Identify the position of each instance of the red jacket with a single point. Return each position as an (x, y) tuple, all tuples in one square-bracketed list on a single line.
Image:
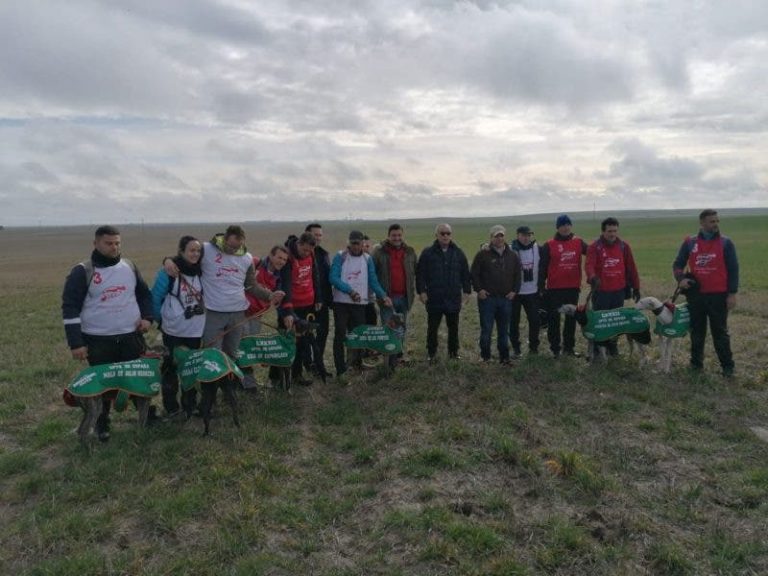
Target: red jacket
[(613, 264)]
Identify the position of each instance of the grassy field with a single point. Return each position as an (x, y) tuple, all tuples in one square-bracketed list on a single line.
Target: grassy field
[(549, 467)]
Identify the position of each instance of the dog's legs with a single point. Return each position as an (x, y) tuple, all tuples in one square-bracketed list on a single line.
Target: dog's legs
[(142, 406), (208, 390), (228, 388), (91, 411)]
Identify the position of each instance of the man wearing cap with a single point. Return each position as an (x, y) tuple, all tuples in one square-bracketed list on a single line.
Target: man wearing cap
[(612, 273), (528, 297), (353, 277), (560, 282), (395, 263), (443, 285), (496, 279)]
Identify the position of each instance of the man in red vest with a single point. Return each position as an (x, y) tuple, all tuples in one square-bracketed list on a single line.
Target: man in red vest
[(306, 296), (712, 282), (612, 273), (560, 273)]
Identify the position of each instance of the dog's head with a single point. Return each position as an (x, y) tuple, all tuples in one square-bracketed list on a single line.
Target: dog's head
[(664, 311), (304, 327), (396, 321), (579, 312)]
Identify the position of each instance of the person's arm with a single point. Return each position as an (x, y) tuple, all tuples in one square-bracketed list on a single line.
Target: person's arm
[(335, 276), (477, 276), (464, 273), (252, 286), (681, 261), (72, 299), (731, 266), (543, 266), (159, 292), (144, 300), (591, 267), (517, 278), (633, 276), (373, 282)]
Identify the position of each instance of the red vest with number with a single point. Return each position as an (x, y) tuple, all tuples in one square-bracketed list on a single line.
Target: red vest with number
[(564, 269), (302, 285), (612, 267), (707, 264)]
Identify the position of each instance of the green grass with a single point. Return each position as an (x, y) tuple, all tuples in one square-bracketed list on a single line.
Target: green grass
[(455, 468)]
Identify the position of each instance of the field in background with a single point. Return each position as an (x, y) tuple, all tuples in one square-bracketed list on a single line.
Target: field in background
[(545, 468)]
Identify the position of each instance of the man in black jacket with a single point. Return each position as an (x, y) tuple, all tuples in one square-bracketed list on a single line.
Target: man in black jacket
[(107, 307), (443, 285), (322, 316)]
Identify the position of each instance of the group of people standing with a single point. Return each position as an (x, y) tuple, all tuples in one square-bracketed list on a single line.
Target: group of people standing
[(211, 293)]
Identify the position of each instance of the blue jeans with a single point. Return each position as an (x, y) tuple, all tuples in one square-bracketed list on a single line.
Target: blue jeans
[(496, 309)]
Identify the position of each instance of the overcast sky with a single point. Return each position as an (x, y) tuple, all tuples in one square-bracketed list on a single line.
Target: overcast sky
[(202, 110)]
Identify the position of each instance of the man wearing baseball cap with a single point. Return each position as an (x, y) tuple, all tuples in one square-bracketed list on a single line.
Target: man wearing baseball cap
[(528, 297), (353, 277), (560, 272), (496, 279)]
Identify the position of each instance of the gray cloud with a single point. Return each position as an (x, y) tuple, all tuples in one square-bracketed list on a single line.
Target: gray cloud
[(392, 108)]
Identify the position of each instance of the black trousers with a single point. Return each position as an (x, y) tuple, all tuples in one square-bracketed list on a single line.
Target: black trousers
[(170, 380), (108, 349), (323, 319), (712, 307), (303, 345), (346, 317), (529, 303), (434, 317), (555, 299)]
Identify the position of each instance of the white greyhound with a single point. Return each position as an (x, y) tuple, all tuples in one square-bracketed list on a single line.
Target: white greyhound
[(665, 315)]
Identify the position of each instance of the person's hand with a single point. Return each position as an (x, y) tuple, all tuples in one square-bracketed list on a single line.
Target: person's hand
[(288, 322), (595, 283), (387, 302), (80, 353), (636, 294), (730, 301), (170, 268), (142, 326), (355, 296), (318, 306), (511, 296), (277, 297), (423, 297), (685, 283), (482, 294), (464, 298)]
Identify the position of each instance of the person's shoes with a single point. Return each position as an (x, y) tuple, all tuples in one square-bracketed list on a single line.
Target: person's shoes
[(485, 360), (572, 353), (533, 352), (303, 382), (515, 353), (249, 382), (507, 362), (454, 356), (556, 353), (173, 415), (729, 373)]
